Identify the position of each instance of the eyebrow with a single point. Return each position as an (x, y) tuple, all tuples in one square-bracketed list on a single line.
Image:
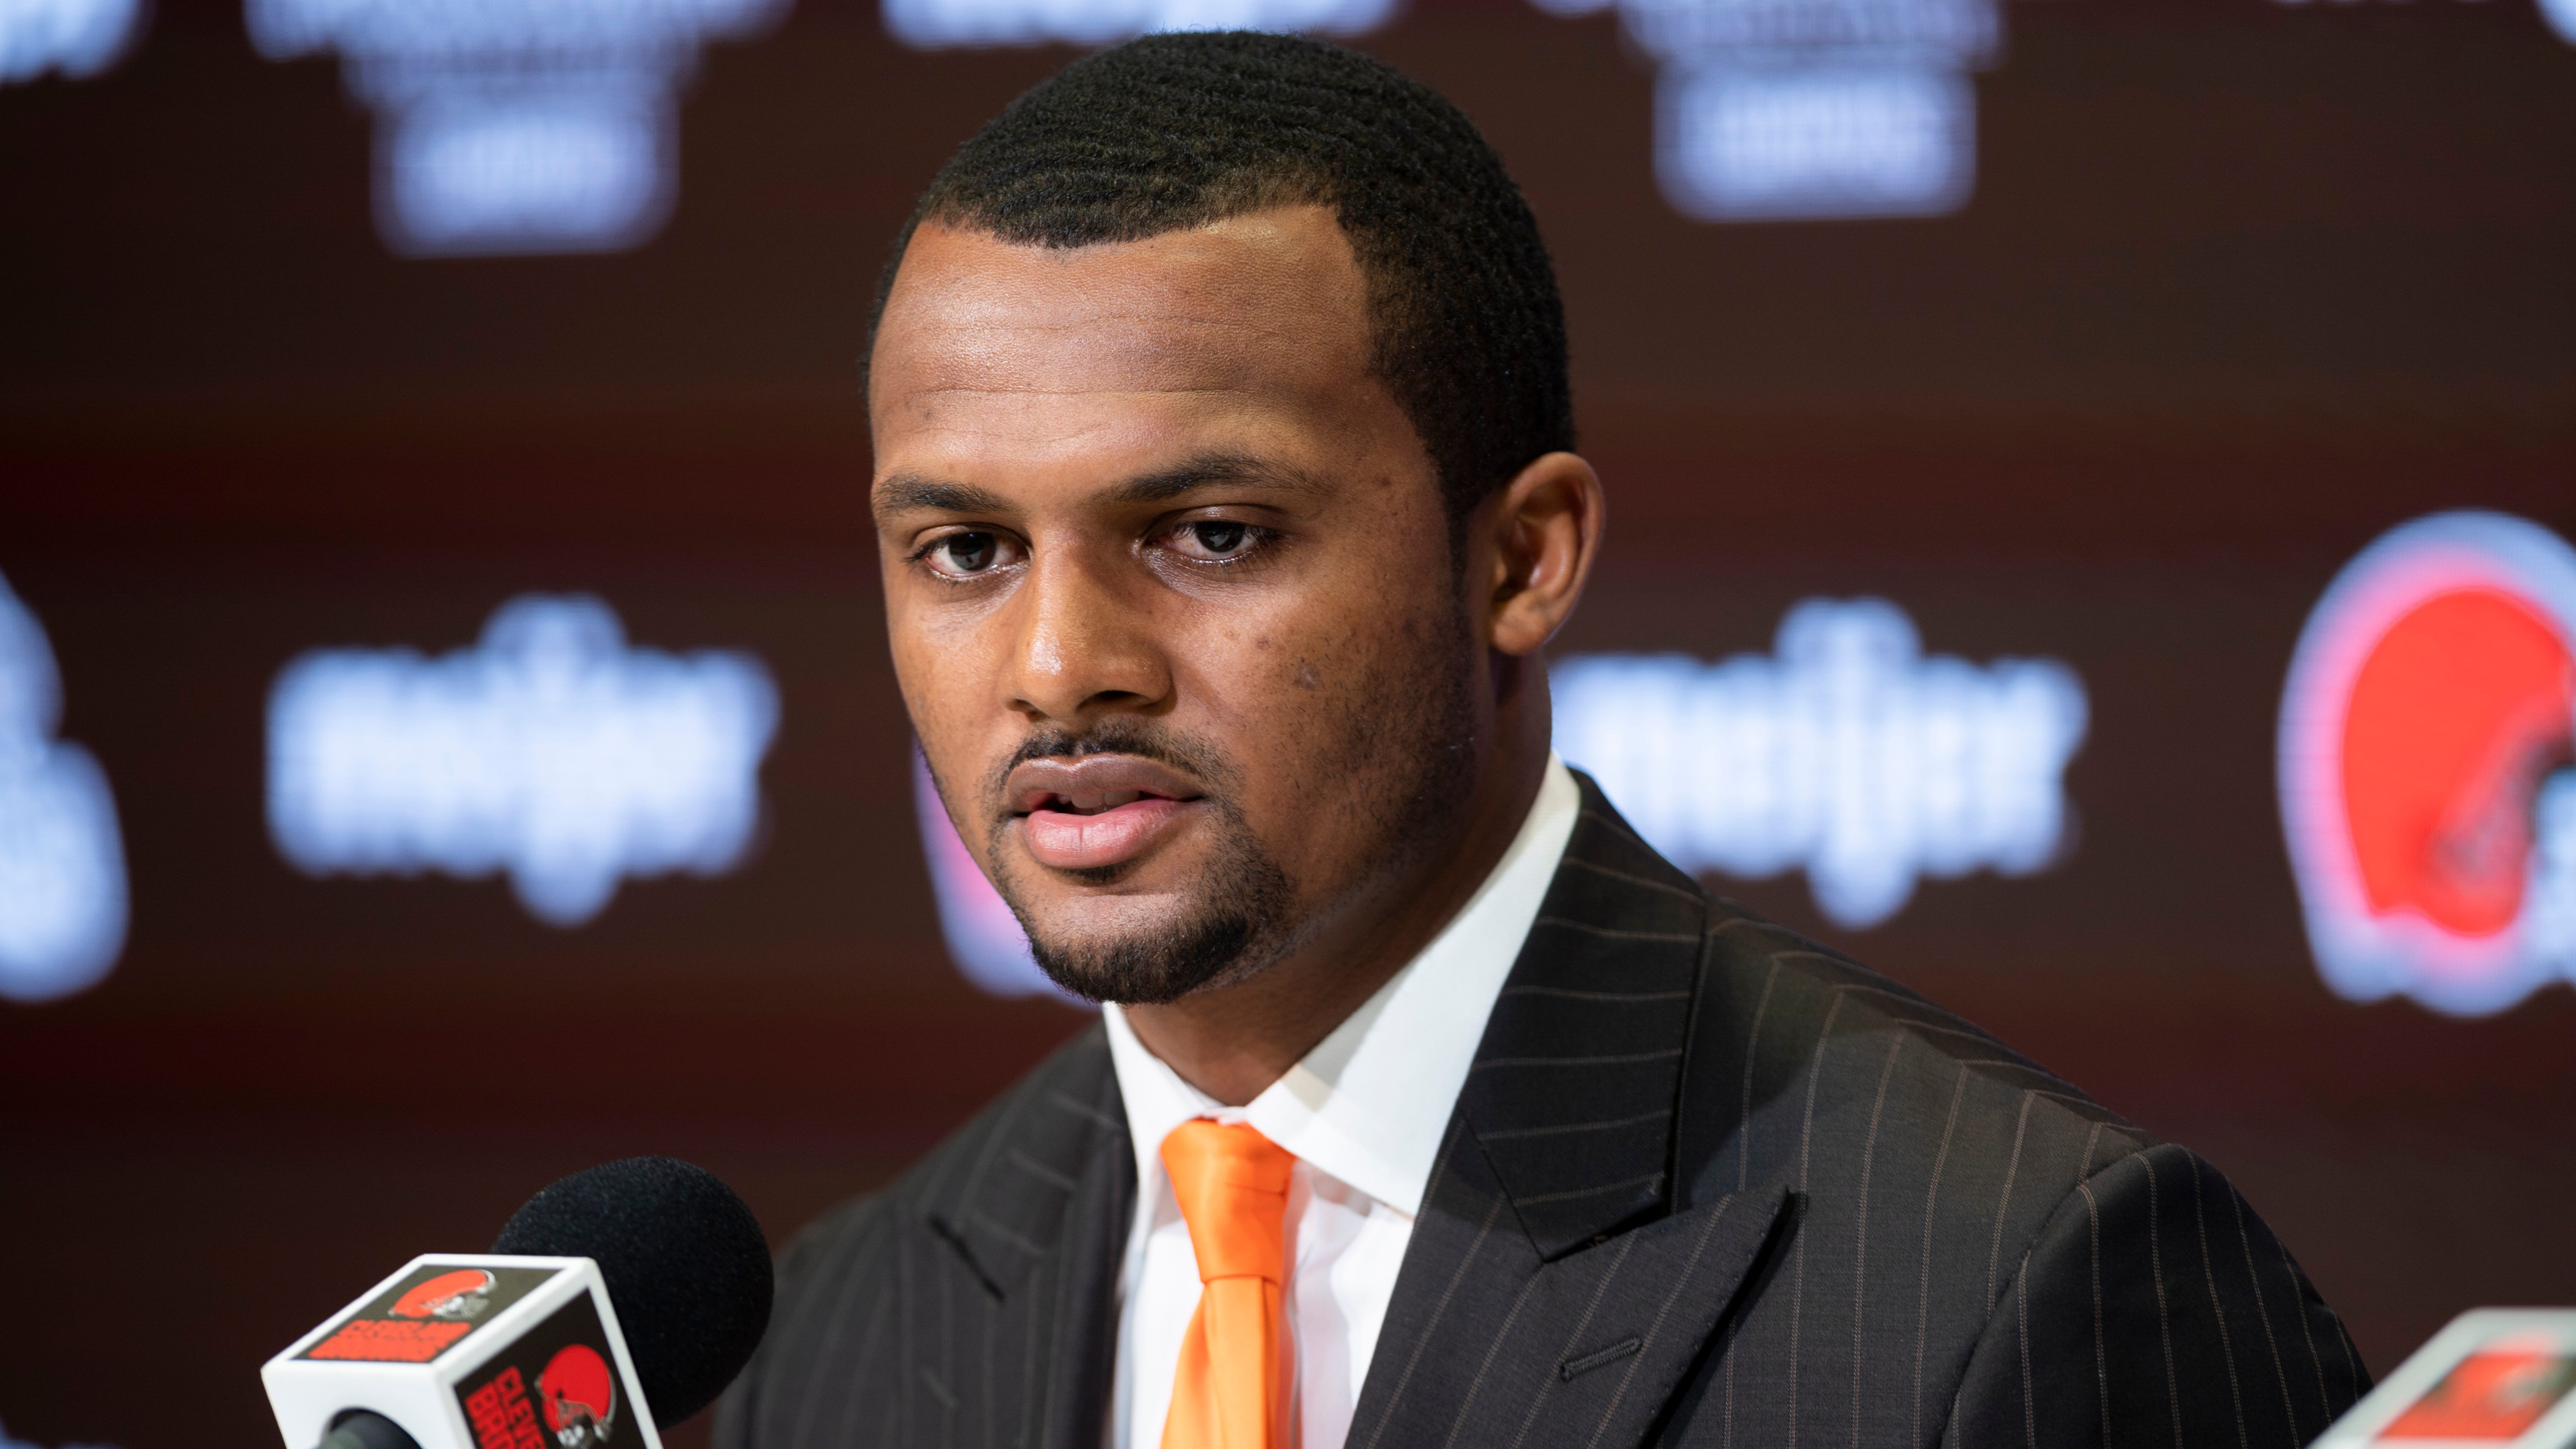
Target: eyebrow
[(911, 493), (1206, 469), (902, 493)]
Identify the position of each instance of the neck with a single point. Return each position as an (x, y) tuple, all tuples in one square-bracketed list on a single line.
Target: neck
[(1233, 1041)]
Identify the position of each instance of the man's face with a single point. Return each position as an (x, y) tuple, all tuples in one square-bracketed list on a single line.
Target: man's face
[(1170, 594)]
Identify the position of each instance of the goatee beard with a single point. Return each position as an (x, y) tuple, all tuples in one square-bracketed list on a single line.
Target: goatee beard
[(1242, 927), (1244, 917)]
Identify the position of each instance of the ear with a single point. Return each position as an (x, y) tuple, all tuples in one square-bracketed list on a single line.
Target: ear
[(1542, 531)]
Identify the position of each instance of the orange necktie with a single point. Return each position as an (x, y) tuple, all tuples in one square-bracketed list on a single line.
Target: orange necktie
[(1232, 1391)]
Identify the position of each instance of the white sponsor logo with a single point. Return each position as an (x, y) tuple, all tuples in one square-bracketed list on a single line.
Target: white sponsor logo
[(514, 125), (1771, 110), (935, 24), (62, 868), (1846, 753), (550, 751), (76, 38)]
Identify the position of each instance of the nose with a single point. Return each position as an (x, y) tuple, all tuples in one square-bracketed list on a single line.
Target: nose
[(1086, 645)]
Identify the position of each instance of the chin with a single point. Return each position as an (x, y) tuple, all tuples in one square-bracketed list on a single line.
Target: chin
[(1148, 949), (1071, 917)]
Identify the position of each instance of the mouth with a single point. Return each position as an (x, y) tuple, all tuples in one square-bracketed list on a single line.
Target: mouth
[(1099, 811)]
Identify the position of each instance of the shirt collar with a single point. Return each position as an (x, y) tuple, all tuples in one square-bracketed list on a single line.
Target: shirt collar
[(1370, 1104)]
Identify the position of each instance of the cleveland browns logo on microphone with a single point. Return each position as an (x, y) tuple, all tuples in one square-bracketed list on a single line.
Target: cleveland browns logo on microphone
[(464, 1293), (556, 1387), (580, 1396), (427, 1312), (2427, 736)]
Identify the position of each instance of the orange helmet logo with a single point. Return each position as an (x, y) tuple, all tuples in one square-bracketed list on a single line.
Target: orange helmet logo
[(2426, 735), (461, 1294), (579, 1393)]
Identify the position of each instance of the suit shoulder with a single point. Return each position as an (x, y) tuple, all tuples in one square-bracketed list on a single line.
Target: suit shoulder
[(1805, 1055)]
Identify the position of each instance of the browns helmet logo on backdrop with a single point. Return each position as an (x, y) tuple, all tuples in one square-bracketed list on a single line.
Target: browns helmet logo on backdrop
[(2428, 765)]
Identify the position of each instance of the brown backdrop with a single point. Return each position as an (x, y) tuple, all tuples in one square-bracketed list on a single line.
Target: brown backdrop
[(2242, 285)]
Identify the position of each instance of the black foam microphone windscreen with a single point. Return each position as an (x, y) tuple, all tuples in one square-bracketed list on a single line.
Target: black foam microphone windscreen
[(687, 1269)]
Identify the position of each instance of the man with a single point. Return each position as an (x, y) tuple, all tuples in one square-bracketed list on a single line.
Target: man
[(1223, 484)]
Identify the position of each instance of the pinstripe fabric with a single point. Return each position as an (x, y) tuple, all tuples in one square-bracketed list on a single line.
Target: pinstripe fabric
[(1707, 1184), (968, 1304)]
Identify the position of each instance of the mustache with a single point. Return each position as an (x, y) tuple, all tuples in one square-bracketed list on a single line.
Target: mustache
[(1117, 736)]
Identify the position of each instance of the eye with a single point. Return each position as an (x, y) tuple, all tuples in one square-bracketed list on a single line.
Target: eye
[(1215, 540), (969, 552)]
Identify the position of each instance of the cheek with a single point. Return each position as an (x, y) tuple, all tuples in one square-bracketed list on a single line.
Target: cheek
[(946, 677), (1272, 668), (1323, 702), (1343, 645)]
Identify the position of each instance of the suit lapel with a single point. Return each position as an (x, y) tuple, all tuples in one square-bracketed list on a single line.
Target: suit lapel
[(1037, 1222), (1487, 1344), (1555, 1291)]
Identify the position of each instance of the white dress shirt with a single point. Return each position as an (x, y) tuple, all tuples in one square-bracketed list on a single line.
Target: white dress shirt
[(1364, 1114)]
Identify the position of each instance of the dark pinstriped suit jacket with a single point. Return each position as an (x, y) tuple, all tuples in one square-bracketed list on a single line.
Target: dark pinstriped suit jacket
[(1708, 1184)]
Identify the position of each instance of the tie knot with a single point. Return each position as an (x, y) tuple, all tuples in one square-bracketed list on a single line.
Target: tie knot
[(1232, 1185)]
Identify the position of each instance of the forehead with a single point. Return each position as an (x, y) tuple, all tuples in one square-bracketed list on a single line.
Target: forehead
[(1264, 313)]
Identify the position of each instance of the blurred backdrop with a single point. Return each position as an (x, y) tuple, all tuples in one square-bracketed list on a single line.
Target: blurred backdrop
[(2091, 339)]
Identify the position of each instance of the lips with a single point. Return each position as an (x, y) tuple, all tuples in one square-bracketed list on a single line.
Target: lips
[(1098, 811)]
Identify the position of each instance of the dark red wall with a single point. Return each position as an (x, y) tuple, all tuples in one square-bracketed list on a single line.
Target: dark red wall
[(2242, 285)]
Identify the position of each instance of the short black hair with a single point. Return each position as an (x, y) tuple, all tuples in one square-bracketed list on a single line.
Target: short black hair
[(1175, 131)]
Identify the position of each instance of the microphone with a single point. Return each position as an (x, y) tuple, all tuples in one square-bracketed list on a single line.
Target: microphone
[(616, 1301)]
